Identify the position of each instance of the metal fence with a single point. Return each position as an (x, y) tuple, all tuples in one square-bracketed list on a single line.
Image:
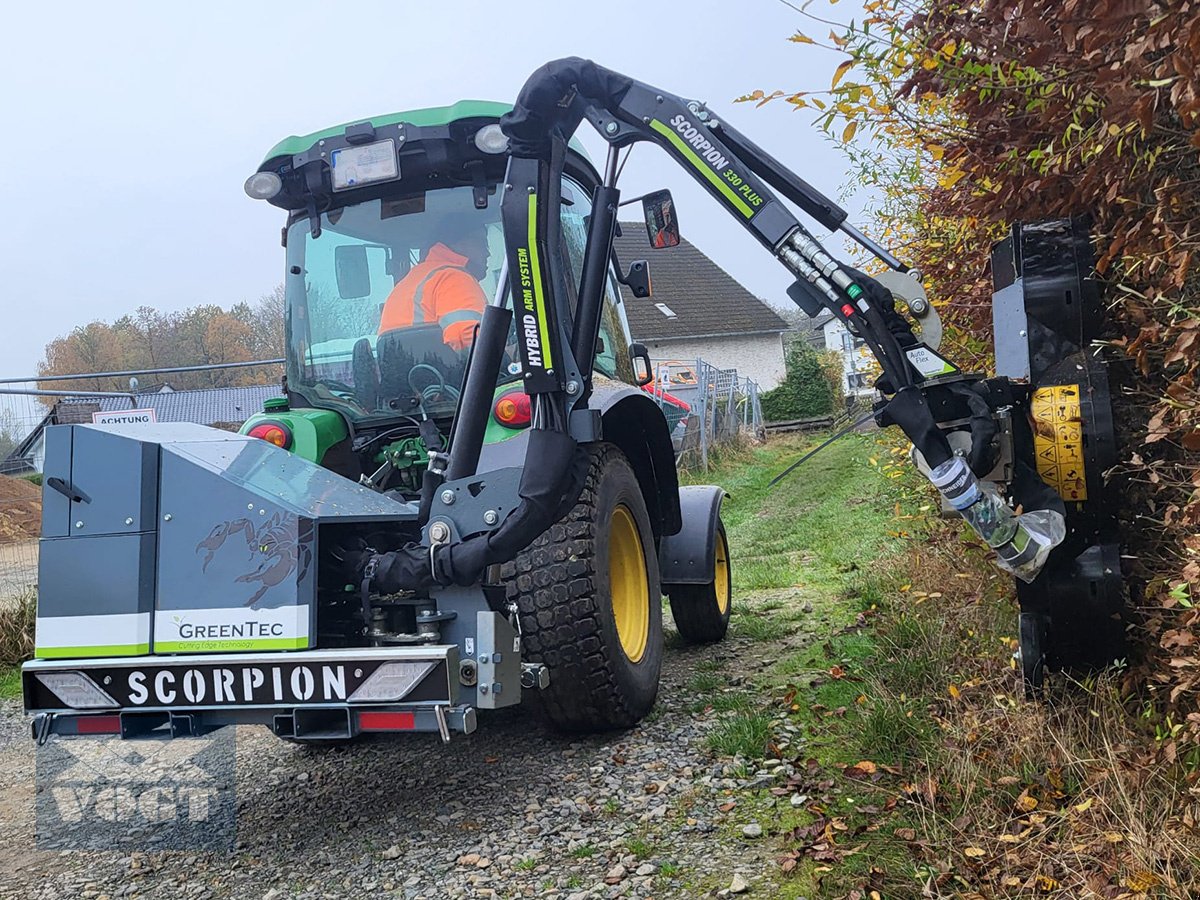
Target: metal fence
[(216, 395), (706, 407)]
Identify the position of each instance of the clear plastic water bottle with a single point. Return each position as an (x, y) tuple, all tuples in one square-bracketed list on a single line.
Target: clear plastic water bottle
[(1022, 542)]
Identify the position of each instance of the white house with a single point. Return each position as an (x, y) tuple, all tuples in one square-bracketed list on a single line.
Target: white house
[(699, 311), (859, 369)]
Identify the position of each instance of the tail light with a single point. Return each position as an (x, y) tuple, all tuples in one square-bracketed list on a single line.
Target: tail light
[(512, 409), (273, 433)]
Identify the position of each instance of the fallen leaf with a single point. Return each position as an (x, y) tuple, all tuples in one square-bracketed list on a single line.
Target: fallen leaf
[(974, 853), (954, 691), (906, 834), (1084, 806), (1026, 802), (1142, 881), (837, 672), (1045, 884)]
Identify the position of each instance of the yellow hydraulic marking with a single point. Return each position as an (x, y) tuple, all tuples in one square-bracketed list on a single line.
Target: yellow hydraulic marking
[(539, 300), (1058, 439)]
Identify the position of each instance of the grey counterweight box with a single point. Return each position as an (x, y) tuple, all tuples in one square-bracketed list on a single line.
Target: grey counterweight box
[(172, 538)]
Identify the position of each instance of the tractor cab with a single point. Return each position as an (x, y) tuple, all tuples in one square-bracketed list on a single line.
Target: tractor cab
[(394, 245)]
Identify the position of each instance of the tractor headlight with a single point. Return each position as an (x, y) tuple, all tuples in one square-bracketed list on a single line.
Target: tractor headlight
[(263, 185), (490, 139)]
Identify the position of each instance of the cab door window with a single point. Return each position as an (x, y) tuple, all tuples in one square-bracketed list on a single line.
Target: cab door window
[(612, 353)]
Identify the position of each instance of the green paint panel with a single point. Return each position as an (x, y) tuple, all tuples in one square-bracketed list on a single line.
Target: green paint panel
[(314, 431), (298, 643), (96, 652), (434, 115), (712, 177)]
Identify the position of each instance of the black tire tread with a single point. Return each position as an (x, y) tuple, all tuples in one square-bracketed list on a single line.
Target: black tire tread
[(698, 617), (553, 582)]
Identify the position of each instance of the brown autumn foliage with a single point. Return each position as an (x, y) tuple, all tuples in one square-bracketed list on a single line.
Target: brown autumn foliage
[(151, 339), (971, 116), (1094, 107)]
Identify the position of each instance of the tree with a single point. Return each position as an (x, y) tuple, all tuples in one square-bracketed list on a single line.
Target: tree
[(966, 117), (805, 393), (150, 339)]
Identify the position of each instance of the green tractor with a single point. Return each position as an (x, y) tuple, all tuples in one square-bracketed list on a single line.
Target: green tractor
[(357, 393), (466, 495), (395, 255)]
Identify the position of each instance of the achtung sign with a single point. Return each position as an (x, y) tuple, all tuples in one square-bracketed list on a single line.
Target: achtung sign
[(125, 417), (1058, 439)]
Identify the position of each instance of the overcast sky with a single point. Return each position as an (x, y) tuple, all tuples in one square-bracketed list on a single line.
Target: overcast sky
[(128, 128)]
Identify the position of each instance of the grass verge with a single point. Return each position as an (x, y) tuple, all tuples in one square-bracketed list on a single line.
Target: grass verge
[(10, 683), (920, 768), (17, 618)]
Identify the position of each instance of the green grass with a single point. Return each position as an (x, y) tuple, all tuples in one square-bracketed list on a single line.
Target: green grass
[(526, 865), (705, 683), (818, 538), (669, 869), (10, 683), (640, 847), (750, 624), (745, 733), (584, 851), (828, 514)]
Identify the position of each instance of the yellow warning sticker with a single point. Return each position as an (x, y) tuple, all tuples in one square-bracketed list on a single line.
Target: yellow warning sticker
[(1058, 439)]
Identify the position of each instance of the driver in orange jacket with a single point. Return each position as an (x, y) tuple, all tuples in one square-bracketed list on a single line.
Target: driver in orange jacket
[(443, 288)]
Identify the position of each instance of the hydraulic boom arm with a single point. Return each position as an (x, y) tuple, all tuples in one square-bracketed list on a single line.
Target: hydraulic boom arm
[(558, 342)]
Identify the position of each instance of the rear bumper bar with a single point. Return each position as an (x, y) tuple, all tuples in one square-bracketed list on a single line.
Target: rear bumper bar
[(306, 695), (315, 724)]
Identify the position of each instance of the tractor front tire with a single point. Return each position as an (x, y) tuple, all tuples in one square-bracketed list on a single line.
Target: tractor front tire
[(701, 611), (590, 604)]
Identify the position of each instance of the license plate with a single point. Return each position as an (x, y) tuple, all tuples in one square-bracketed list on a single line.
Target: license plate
[(233, 684), (365, 164)]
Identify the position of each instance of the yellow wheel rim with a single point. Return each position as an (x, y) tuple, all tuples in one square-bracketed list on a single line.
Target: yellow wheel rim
[(721, 584), (627, 580)]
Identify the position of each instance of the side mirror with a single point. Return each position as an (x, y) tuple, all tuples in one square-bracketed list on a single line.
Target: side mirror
[(351, 271), (662, 227), (638, 279), (643, 374)]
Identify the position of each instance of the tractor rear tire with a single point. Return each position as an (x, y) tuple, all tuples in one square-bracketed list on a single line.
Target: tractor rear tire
[(589, 600), (701, 611)]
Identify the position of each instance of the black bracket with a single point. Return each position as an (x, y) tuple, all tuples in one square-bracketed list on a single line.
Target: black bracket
[(68, 490)]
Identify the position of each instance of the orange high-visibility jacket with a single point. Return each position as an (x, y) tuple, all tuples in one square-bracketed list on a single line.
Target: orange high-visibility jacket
[(437, 291)]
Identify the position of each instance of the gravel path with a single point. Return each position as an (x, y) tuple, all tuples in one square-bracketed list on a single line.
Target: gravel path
[(514, 810)]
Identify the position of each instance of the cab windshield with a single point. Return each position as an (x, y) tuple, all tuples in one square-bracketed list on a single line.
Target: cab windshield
[(382, 305)]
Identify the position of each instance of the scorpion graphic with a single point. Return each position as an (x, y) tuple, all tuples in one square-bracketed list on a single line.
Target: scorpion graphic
[(275, 546)]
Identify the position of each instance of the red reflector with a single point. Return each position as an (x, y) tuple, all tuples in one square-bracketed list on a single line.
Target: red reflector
[(512, 409), (273, 433), (847, 310), (98, 724), (386, 721)]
